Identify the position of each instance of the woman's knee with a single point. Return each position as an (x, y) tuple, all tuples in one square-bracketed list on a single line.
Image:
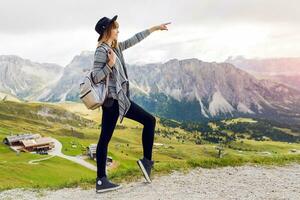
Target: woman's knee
[(151, 121)]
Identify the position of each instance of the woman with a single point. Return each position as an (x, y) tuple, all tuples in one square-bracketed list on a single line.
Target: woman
[(109, 61)]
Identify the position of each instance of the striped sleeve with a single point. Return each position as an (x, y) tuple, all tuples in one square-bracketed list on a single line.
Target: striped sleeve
[(100, 68), (134, 39)]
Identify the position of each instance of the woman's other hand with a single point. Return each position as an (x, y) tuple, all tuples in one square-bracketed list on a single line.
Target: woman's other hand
[(111, 58)]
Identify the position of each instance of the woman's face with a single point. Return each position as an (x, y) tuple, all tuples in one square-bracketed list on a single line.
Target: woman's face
[(114, 33)]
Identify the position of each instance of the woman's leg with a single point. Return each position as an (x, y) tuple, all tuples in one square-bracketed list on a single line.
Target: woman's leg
[(137, 113), (109, 120)]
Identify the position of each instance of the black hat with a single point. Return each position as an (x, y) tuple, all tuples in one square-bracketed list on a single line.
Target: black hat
[(103, 23)]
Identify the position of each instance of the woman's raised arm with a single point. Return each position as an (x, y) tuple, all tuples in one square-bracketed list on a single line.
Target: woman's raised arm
[(141, 35), (134, 39)]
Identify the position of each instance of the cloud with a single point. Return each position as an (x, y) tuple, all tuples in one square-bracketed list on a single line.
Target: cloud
[(54, 46), (211, 30), (19, 17)]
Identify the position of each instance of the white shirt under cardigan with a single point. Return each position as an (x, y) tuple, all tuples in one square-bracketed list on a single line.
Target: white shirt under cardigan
[(118, 86)]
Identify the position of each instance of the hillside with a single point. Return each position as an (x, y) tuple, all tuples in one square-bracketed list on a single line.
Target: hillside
[(8, 97), (172, 149)]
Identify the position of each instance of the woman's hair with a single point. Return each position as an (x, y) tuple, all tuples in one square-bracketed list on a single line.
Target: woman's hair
[(106, 34)]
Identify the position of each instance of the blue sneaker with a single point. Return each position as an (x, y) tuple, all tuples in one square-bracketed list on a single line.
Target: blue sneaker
[(146, 166), (104, 185)]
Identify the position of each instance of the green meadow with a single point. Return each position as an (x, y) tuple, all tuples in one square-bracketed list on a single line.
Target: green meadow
[(76, 127)]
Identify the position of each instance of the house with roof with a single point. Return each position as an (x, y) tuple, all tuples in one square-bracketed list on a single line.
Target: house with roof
[(91, 152), (14, 140), (29, 142)]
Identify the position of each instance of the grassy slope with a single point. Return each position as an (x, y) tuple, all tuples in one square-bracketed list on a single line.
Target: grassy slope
[(125, 148), (8, 97)]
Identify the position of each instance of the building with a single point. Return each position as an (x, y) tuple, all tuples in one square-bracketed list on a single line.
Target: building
[(16, 139), (44, 143), (91, 152), (29, 142)]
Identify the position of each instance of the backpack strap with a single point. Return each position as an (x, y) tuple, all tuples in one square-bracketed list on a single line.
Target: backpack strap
[(107, 77)]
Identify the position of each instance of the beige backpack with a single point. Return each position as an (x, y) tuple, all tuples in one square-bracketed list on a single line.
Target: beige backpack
[(91, 94)]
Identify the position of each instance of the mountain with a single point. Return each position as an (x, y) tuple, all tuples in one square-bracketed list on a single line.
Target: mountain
[(23, 78), (190, 89), (66, 88), (283, 70), (290, 80), (267, 66), (193, 89)]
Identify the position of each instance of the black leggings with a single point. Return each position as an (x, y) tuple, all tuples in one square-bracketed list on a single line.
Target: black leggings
[(109, 119)]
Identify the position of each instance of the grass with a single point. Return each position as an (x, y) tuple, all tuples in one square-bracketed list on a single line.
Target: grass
[(125, 147), (15, 171), (239, 120)]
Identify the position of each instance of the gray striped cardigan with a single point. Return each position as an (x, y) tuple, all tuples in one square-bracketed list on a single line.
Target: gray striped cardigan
[(118, 86)]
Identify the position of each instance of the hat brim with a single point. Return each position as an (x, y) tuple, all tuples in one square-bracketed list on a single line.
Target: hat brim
[(112, 20)]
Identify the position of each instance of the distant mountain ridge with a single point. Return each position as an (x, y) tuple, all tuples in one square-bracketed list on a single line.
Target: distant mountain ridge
[(23, 78), (188, 89), (267, 66), (282, 70)]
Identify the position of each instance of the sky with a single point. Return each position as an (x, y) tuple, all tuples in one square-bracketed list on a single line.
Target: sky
[(54, 31)]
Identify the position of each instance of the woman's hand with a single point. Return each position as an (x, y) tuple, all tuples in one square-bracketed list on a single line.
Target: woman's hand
[(160, 27), (111, 58)]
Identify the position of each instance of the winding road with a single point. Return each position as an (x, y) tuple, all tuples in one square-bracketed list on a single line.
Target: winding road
[(56, 151)]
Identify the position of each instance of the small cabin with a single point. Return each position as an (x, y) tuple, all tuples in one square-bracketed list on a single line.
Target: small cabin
[(39, 144), (91, 152)]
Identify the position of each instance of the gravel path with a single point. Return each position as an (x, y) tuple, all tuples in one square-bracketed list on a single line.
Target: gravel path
[(57, 152), (36, 162), (245, 182)]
